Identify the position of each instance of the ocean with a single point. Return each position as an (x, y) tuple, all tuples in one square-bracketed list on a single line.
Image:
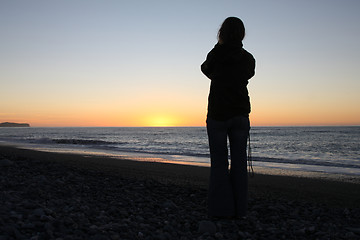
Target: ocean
[(334, 150)]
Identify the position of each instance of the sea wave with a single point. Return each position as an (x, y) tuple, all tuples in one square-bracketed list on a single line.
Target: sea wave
[(304, 162), (320, 147), (161, 150), (82, 142)]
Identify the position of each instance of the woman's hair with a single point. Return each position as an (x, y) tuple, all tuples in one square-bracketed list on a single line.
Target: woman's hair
[(232, 30)]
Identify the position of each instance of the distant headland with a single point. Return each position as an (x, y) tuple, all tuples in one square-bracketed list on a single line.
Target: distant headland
[(10, 124)]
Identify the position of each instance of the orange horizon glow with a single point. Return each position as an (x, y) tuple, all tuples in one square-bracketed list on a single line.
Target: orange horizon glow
[(171, 114), (170, 120)]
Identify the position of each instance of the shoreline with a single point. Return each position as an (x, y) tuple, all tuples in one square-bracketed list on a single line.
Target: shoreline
[(314, 187), (260, 167)]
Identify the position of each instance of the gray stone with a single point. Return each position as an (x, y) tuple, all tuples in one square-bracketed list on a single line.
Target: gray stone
[(219, 235), (350, 235), (41, 178), (207, 227), (169, 204), (5, 162), (354, 230), (38, 212)]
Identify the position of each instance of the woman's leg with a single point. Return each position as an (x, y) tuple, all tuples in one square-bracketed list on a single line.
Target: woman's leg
[(220, 199), (238, 135)]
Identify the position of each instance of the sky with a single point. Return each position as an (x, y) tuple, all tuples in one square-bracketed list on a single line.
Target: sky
[(137, 63)]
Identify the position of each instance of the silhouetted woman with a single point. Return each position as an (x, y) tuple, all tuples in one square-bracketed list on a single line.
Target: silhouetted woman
[(229, 67)]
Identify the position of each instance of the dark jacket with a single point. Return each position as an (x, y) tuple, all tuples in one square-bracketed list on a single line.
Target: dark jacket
[(229, 67)]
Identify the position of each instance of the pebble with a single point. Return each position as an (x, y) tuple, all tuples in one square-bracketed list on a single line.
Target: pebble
[(50, 201), (5, 162), (354, 230), (38, 212), (207, 227)]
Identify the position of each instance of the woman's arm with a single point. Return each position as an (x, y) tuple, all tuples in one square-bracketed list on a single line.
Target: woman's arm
[(207, 67)]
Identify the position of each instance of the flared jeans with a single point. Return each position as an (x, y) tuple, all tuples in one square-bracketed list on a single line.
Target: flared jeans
[(228, 188)]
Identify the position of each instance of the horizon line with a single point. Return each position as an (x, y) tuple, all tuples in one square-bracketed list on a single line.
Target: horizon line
[(315, 125)]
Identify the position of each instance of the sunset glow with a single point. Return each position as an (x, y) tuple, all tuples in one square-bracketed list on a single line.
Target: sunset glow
[(161, 121), (69, 63)]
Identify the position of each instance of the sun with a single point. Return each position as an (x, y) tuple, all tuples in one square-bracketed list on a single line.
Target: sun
[(161, 121)]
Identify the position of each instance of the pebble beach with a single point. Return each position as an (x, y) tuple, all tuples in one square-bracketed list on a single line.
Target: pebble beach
[(66, 196)]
